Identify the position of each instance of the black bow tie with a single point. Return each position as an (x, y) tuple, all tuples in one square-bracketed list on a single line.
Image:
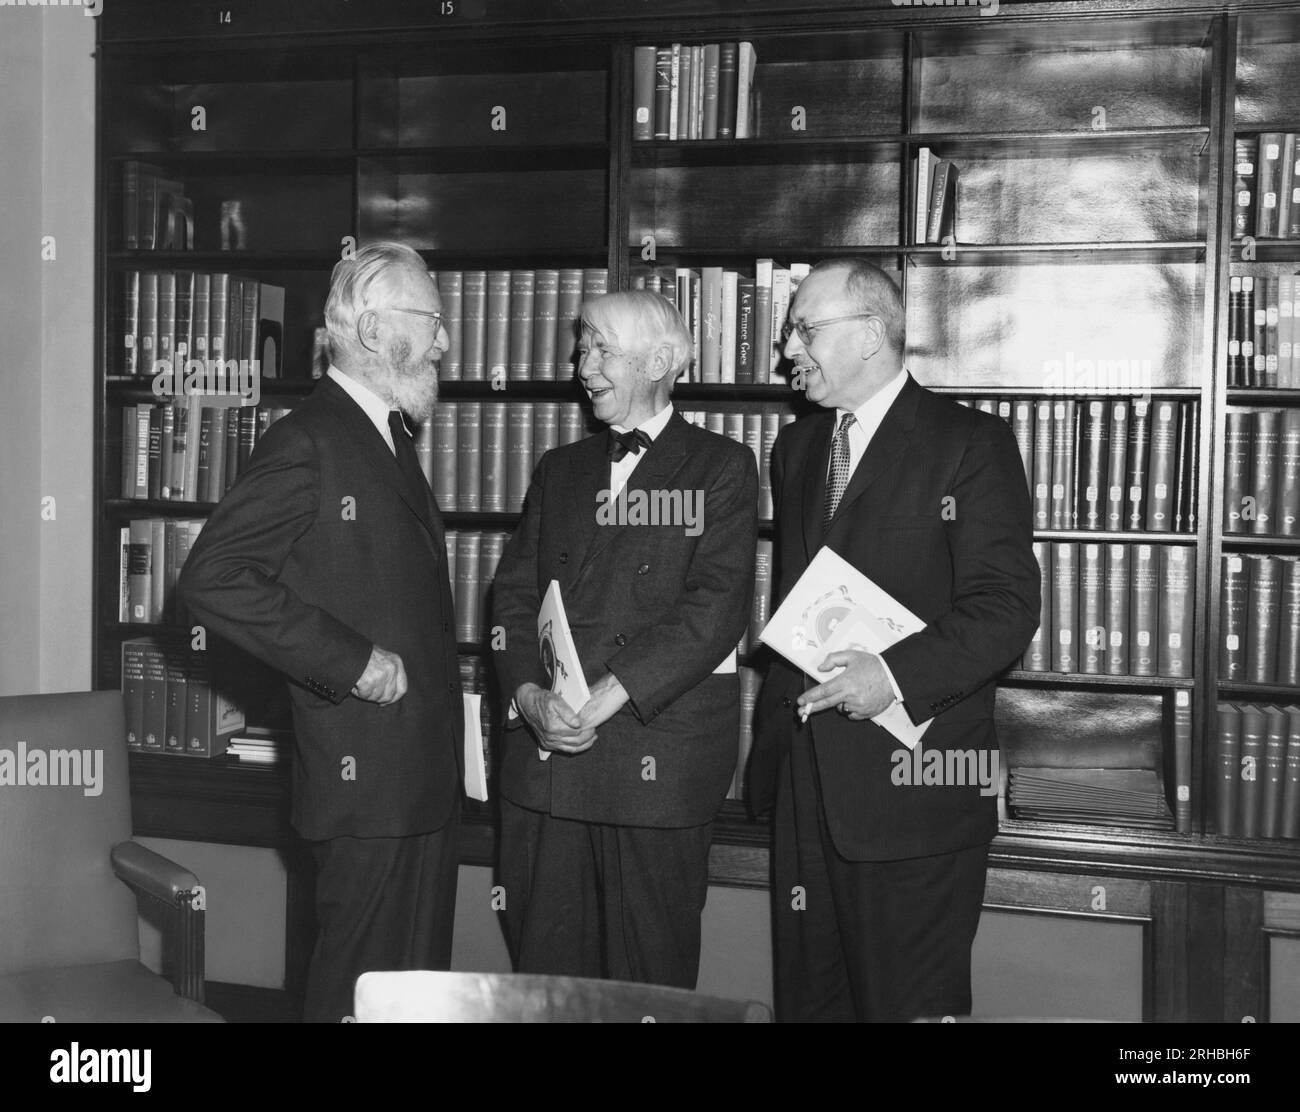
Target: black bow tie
[(620, 443)]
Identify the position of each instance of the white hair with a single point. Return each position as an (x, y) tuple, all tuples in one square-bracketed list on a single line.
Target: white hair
[(360, 282)]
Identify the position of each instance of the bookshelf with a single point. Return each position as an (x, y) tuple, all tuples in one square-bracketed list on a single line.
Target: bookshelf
[(1079, 235)]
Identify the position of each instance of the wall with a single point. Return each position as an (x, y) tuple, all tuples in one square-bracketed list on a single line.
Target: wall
[(47, 178)]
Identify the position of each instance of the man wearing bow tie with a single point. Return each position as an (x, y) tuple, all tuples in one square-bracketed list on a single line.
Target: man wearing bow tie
[(327, 560), (604, 844)]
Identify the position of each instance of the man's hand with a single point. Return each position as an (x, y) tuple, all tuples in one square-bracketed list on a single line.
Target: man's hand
[(860, 692), (608, 696), (552, 722), (384, 680)]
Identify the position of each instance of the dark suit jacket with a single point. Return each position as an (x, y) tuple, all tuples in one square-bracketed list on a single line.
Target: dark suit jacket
[(969, 573), (658, 608), (317, 553)]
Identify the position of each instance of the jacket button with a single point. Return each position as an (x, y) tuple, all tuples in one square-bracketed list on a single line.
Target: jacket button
[(564, 557), (643, 569), (785, 701), (620, 640)]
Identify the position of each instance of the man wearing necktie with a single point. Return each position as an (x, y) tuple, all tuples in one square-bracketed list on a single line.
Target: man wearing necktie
[(327, 560), (604, 845), (878, 885)]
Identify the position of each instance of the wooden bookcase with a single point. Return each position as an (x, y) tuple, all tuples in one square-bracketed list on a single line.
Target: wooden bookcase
[(1080, 235)]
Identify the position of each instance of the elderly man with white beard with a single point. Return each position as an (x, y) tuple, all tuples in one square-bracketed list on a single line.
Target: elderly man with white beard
[(327, 561)]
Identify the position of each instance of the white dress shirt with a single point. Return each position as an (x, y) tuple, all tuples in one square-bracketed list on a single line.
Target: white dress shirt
[(621, 470), (371, 403), (869, 415)]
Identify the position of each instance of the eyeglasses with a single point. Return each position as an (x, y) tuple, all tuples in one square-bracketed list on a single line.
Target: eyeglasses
[(805, 329), (435, 317)]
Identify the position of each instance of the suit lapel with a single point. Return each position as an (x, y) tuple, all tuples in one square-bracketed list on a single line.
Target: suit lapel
[(814, 480), (374, 451), (662, 460), (884, 451)]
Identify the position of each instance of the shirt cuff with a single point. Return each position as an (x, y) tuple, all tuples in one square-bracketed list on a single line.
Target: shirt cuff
[(898, 694)]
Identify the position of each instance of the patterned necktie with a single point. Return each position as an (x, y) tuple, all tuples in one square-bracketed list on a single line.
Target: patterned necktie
[(620, 443), (839, 476)]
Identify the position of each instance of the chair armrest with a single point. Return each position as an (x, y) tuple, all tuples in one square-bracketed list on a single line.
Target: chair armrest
[(151, 873), (179, 892)]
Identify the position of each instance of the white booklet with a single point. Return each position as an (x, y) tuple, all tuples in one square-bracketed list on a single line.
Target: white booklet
[(476, 786), (835, 607), (559, 654)]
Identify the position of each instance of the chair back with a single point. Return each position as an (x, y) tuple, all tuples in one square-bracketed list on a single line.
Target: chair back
[(423, 996), (64, 803)]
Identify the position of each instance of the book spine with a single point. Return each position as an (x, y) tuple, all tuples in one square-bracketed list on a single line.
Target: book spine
[(154, 717), (1233, 368), (166, 449), (747, 124), (727, 326), (1270, 177), (1177, 573), (1092, 613), (177, 702), (1115, 466), (1245, 148), (1062, 464), (1286, 323), (1095, 448), (1288, 639), (522, 293), (1263, 470), (762, 320), (568, 312), (1161, 467), (493, 479), (519, 466), (1144, 610), (1236, 473), (233, 419), (710, 331), (491, 545), (1042, 488), (941, 189), (1183, 761), (474, 319), (771, 427), (1065, 594), (217, 468), (1272, 315), (1291, 785), (1233, 599), (445, 456), (1038, 655), (130, 450), (1187, 487), (1139, 438), (451, 288), (1254, 727), (546, 429), (727, 85), (780, 308), (469, 456), (761, 609), (498, 325), (467, 562), (1118, 586), (1228, 753), (133, 691), (744, 331), (925, 165), (572, 424), (645, 94), (131, 323), (1288, 475), (1262, 618), (1022, 425), (1274, 773), (675, 92), (218, 316), (546, 295), (710, 91)]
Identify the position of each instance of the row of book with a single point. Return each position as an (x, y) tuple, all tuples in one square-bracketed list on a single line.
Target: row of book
[(1114, 609), (735, 318), (190, 452), (175, 316), (1106, 465), (935, 215), (1259, 619), (152, 551), (686, 91), (156, 214), (513, 324), (1261, 486), (472, 558), (1104, 796), (1265, 186), (173, 702), (1263, 348), (1257, 765)]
